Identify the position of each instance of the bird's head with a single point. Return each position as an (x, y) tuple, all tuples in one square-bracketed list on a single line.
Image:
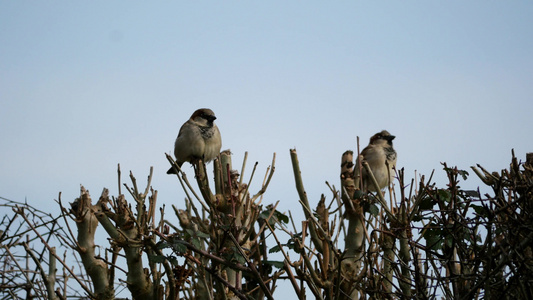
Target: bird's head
[(381, 138), (203, 117)]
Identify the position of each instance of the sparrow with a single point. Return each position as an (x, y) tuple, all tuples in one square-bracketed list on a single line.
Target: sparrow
[(198, 138), (378, 151)]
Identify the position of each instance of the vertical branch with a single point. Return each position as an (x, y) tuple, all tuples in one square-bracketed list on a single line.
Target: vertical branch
[(303, 197), (138, 283), (203, 182), (387, 244), (126, 233), (405, 259), (405, 235), (86, 222), (353, 243)]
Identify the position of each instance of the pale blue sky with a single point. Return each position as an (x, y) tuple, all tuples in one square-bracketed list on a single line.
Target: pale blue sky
[(85, 85)]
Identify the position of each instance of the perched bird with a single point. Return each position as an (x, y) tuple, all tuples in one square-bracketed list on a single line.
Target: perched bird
[(375, 154), (199, 138)]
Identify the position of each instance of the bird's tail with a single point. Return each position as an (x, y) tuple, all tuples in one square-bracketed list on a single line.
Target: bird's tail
[(172, 170)]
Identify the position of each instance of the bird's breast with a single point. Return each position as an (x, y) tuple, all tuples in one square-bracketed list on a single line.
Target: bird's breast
[(207, 132)]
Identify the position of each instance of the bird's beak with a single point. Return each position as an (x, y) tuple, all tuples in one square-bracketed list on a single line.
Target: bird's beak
[(389, 138), (211, 118)]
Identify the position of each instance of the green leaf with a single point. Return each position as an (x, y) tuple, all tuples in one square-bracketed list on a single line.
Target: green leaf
[(197, 243), (173, 260), (275, 263), (157, 258), (281, 217), (202, 234), (264, 214), (373, 209), (358, 194), (162, 245), (433, 236), (274, 249), (434, 242), (480, 210), (236, 255), (426, 203), (291, 244), (179, 247), (276, 216), (449, 241), (444, 195), (463, 174), (190, 232), (418, 217)]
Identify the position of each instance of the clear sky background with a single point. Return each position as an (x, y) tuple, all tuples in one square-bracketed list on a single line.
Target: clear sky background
[(85, 85)]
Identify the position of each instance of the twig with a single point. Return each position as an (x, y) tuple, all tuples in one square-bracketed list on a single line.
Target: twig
[(20, 211), (245, 193), (20, 268), (226, 283), (47, 282), (262, 228), (185, 182), (63, 210), (288, 265), (252, 267), (265, 185)]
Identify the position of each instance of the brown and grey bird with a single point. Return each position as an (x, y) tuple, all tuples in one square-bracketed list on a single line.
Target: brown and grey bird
[(378, 151), (199, 138)]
